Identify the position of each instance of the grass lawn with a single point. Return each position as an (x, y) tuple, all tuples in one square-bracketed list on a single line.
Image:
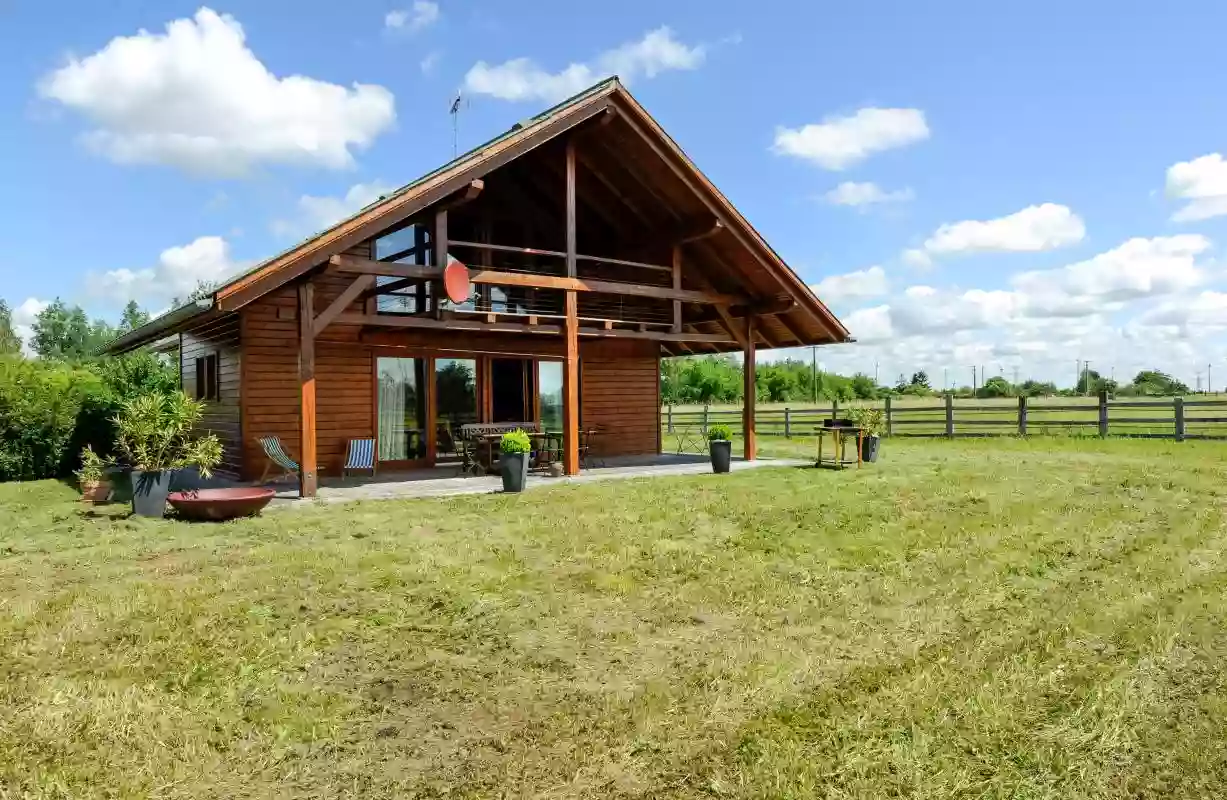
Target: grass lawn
[(971, 619)]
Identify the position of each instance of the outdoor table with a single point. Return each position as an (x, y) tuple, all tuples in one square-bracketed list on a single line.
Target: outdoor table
[(486, 443), (546, 454), (840, 436)]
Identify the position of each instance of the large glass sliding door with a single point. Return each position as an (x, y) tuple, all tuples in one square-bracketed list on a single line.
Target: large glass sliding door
[(401, 409), (455, 403), (549, 390)]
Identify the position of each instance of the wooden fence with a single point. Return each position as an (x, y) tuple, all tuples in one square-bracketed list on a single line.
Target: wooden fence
[(1170, 418)]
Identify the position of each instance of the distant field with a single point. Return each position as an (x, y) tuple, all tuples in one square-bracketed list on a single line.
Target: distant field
[(1204, 416)]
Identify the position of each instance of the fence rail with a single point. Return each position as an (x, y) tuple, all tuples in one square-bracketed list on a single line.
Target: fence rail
[(1149, 419)]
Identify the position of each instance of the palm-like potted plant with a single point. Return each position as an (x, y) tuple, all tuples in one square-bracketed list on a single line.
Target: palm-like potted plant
[(872, 422), (91, 478), (154, 436), (513, 462), (720, 445)]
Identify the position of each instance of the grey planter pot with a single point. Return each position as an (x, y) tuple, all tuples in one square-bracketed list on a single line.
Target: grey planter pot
[(514, 467), (149, 490), (721, 455), (869, 448)]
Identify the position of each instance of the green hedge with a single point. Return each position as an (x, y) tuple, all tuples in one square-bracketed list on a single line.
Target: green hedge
[(50, 410)]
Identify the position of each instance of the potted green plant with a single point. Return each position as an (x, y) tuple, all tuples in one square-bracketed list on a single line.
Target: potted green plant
[(720, 446), (513, 462), (154, 436), (91, 478), (872, 422)]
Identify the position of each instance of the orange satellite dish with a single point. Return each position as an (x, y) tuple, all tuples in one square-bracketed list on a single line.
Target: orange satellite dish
[(456, 281)]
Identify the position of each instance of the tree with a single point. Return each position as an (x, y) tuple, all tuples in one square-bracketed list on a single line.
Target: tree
[(864, 388), (203, 289), (10, 343), (1030, 388), (921, 379), (132, 318), (1154, 383), (65, 332), (995, 386)]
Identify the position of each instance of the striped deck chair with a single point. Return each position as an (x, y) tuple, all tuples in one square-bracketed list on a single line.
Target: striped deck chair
[(360, 456), (277, 458)]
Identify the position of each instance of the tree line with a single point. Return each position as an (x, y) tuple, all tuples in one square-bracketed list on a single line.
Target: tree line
[(719, 379)]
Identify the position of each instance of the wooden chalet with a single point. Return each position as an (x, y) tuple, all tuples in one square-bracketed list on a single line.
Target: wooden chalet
[(593, 247)]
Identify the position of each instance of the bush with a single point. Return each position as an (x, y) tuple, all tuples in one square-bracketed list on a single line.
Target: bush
[(719, 433), (871, 420), (48, 413), (154, 433), (516, 442)]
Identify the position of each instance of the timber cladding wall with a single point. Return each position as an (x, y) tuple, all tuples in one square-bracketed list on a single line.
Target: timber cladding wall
[(221, 414), (620, 393)]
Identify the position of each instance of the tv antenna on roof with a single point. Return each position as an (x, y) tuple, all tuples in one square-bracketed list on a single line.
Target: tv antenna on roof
[(455, 112)]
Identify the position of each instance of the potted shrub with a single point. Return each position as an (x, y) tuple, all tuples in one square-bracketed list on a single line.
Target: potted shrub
[(154, 436), (513, 462), (91, 478), (872, 422), (720, 446)]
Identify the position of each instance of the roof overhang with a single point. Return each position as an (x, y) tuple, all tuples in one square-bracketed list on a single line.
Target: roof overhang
[(171, 322)]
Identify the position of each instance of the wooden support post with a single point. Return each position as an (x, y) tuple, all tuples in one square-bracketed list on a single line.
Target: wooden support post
[(669, 427), (438, 246), (1103, 413), (1022, 415), (750, 394), (834, 409), (419, 257), (889, 421), (1178, 411), (677, 284), (570, 372), (949, 416), (787, 422), (307, 477)]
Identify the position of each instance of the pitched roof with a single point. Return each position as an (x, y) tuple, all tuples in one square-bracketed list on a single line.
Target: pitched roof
[(453, 176)]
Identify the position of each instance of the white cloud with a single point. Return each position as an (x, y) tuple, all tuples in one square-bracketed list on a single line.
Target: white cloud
[(870, 324), (318, 213), (841, 142), (23, 318), (860, 284), (1034, 229), (857, 195), (176, 274), (1137, 268), (1206, 311), (917, 259), (523, 79), (1203, 183), (420, 16), (196, 97), (430, 62)]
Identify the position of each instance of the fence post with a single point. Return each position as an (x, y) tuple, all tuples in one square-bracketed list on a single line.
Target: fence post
[(834, 410), (1178, 408), (1022, 415), (787, 422), (670, 428), (889, 424), (949, 416), (705, 419), (1103, 413)]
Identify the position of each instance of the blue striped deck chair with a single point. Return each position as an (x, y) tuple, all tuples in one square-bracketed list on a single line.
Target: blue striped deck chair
[(277, 458), (361, 456)]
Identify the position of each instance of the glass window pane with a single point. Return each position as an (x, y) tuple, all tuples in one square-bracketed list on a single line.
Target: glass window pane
[(456, 398), (549, 381), (402, 409)]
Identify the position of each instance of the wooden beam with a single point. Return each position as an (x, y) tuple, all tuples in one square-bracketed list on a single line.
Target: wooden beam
[(710, 229), (389, 288), (342, 301), (749, 393), (438, 246), (360, 266), (450, 324), (570, 370), (308, 469), (505, 248), (658, 336), (677, 287), (468, 193)]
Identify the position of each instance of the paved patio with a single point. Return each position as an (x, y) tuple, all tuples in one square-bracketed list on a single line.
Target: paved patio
[(442, 481)]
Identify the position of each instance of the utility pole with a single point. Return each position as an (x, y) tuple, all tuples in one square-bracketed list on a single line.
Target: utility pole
[(974, 383), (1086, 378), (875, 372), (1209, 383), (945, 379), (1016, 377), (1077, 374)]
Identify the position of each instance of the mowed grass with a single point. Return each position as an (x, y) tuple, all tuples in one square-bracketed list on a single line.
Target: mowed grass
[(1040, 618)]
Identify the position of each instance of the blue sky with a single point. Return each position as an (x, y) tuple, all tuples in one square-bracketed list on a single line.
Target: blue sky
[(967, 183)]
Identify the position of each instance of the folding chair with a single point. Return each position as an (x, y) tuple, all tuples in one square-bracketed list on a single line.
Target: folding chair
[(277, 458), (359, 456)]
